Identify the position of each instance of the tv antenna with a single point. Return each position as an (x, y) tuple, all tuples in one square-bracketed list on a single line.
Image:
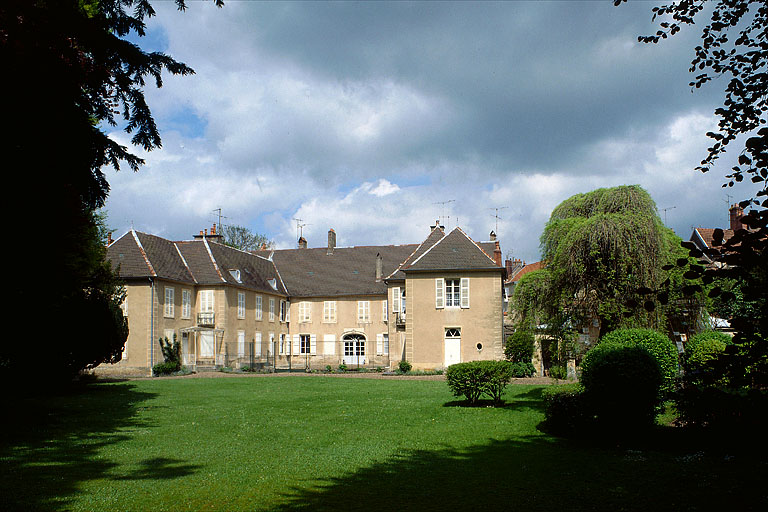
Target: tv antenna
[(217, 211), (665, 212), (496, 215), (300, 228), (443, 216)]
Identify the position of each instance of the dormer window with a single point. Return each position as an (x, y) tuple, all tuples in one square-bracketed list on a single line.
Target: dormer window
[(236, 274), (273, 283)]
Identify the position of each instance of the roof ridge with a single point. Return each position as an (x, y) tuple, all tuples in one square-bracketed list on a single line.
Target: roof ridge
[(143, 253)]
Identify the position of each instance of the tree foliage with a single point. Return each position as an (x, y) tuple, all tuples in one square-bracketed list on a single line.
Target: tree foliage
[(599, 248), (74, 75), (734, 49), (244, 239)]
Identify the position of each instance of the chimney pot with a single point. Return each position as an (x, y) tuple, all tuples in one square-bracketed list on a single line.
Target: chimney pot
[(331, 241), (736, 213)]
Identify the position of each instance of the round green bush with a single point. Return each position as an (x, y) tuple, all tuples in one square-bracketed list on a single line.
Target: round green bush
[(404, 366), (621, 385), (519, 347), (659, 346), (704, 347)]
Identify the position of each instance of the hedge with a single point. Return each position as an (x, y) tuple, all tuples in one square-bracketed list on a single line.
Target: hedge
[(474, 379)]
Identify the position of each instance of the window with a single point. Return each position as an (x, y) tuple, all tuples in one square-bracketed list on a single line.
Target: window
[(240, 343), (305, 312), (382, 344), (305, 344), (259, 308), (257, 344), (385, 310), (271, 310), (235, 274), (283, 311), (363, 311), (186, 303), (329, 311), (240, 305), (282, 348), (452, 293), (271, 345), (168, 307), (206, 301)]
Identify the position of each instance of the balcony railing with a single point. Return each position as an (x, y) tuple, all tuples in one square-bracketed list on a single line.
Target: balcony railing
[(206, 319), (400, 318)]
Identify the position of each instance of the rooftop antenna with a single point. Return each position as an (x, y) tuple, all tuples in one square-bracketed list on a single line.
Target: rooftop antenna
[(299, 228), (496, 215), (665, 212), (728, 205), (220, 216), (443, 217)]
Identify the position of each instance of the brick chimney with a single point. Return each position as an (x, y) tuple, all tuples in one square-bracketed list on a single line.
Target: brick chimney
[(379, 266), (497, 253), (736, 212), (331, 241), (302, 242)]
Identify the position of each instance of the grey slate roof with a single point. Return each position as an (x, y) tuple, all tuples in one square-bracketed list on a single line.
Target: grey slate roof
[(347, 271), (454, 251), (140, 255)]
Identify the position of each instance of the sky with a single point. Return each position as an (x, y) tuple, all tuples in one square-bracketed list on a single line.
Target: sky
[(376, 119)]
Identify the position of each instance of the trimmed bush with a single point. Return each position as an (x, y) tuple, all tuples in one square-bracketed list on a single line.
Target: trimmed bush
[(521, 369), (658, 345), (565, 408), (474, 379), (519, 347), (621, 385), (404, 366)]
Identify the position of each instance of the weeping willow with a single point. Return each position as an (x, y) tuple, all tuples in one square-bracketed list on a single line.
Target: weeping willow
[(600, 248)]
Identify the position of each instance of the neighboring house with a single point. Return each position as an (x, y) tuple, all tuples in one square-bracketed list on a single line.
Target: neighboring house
[(703, 237), (312, 308), (222, 304)]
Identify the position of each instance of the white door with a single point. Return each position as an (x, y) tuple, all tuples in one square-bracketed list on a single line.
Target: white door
[(452, 347), (206, 344), (354, 350)]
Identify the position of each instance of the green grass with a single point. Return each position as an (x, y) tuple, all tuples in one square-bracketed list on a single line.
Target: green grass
[(325, 443)]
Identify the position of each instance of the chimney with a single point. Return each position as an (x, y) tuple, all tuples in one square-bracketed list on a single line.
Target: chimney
[(213, 230), (437, 225), (302, 243), (736, 212), (379, 266), (493, 236), (497, 253), (109, 239), (331, 241)]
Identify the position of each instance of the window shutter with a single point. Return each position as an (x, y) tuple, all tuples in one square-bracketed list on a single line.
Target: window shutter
[(313, 344), (379, 344), (396, 299), (439, 293), (329, 344), (384, 311), (296, 344), (257, 345), (465, 292)]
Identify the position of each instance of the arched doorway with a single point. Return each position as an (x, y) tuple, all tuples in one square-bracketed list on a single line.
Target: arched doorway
[(354, 349)]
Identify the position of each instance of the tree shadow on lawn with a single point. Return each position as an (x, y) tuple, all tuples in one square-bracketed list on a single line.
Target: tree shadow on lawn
[(51, 444), (538, 473)]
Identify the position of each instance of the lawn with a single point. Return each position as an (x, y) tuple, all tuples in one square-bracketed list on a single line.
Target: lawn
[(322, 443)]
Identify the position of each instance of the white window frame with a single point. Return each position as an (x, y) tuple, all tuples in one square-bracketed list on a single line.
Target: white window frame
[(271, 309), (305, 312), (283, 310), (186, 303), (329, 312), (271, 345), (259, 308), (453, 293), (364, 311), (257, 344), (240, 343), (206, 300), (168, 306), (382, 344), (241, 305)]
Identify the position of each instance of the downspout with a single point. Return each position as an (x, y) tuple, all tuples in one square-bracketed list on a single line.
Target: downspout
[(152, 325)]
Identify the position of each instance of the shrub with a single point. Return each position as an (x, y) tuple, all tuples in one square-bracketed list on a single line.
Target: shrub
[(164, 369), (342, 367), (477, 378), (404, 366), (658, 345), (701, 354), (522, 369), (732, 411), (558, 372), (172, 355), (519, 347), (621, 386), (565, 408)]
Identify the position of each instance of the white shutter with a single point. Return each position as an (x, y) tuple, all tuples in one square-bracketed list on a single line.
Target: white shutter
[(296, 344), (329, 344), (313, 344), (240, 343), (257, 344), (396, 299), (379, 344), (465, 292), (439, 293)]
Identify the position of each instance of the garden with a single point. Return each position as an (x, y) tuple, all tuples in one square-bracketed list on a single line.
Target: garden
[(290, 442)]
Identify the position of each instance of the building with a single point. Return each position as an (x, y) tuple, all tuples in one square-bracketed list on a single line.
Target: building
[(432, 304)]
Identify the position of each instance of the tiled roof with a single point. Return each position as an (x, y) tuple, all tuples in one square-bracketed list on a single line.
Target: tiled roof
[(434, 236), (140, 255), (346, 271), (455, 251), (706, 235), (527, 268)]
